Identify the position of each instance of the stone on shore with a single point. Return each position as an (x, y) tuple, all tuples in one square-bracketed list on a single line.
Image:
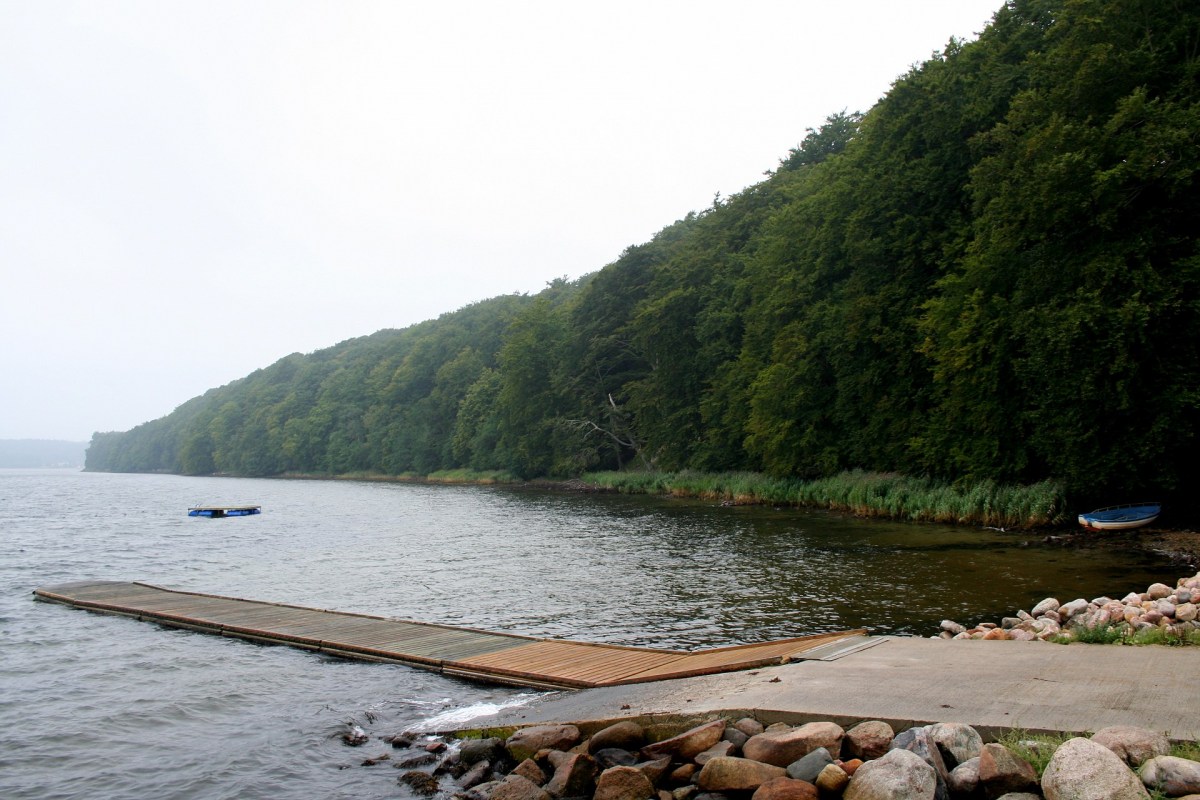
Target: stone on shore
[(782, 747), (897, 775), (526, 742), (474, 750), (727, 774), (624, 735), (530, 769), (809, 766), (574, 776), (1133, 745), (957, 740), (623, 783), (1044, 607), (785, 789), (868, 740), (1002, 771), (1081, 769), (516, 787), (688, 744), (1171, 775), (833, 780), (964, 779)]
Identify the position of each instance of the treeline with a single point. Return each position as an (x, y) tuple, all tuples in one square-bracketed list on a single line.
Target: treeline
[(991, 275)]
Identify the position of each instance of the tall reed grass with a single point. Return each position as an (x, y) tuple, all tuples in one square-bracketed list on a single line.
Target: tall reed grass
[(872, 494)]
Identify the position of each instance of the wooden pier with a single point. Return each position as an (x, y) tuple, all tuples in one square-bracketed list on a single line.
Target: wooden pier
[(462, 652)]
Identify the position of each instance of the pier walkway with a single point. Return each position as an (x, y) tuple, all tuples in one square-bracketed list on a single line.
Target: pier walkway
[(461, 652)]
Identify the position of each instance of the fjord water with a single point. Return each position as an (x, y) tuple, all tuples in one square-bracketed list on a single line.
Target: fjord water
[(103, 706)]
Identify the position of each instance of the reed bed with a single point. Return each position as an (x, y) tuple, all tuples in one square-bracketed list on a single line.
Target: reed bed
[(869, 494)]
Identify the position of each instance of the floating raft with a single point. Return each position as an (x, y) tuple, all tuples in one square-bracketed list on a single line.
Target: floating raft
[(462, 652), (216, 512)]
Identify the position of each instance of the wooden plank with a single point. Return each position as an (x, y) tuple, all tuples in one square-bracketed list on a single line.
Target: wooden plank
[(459, 651)]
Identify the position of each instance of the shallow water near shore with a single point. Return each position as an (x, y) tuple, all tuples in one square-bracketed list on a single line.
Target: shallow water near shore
[(101, 706)]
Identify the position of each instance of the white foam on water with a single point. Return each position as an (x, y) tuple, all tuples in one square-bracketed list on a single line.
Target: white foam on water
[(455, 717)]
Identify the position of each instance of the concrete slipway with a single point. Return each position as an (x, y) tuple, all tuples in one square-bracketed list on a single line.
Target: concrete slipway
[(905, 681)]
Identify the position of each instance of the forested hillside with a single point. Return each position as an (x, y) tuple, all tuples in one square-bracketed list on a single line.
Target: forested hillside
[(992, 274)]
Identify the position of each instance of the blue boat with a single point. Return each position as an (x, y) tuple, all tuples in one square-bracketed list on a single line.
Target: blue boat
[(217, 512), (1121, 518)]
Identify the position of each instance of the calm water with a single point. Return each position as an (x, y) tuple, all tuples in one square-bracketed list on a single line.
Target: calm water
[(98, 706)]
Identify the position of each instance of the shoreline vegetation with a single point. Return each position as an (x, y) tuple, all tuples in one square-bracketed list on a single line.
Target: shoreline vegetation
[(865, 494)]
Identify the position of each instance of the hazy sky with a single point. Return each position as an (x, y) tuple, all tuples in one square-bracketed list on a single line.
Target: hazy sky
[(192, 190)]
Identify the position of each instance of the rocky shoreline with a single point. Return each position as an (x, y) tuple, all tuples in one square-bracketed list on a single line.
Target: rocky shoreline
[(741, 760), (1171, 612)]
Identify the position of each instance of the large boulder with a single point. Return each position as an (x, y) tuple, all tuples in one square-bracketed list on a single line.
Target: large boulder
[(574, 775), (474, 750), (725, 774), (785, 789), (515, 787), (897, 775), (688, 744), (1171, 775), (957, 742), (782, 747), (810, 766), (1081, 769), (1002, 771), (1133, 745), (964, 779), (918, 741), (622, 735), (526, 742), (624, 783), (868, 740)]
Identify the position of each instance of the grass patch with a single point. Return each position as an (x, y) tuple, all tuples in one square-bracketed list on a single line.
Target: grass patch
[(868, 494), (1036, 748)]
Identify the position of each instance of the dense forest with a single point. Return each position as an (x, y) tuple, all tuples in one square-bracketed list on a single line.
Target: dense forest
[(992, 274)]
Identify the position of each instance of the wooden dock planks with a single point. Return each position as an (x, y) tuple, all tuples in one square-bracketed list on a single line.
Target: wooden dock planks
[(463, 652)]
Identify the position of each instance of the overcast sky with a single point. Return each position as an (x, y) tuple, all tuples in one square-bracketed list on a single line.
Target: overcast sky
[(192, 190)]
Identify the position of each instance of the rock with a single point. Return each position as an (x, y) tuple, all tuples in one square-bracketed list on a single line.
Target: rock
[(918, 741), (574, 776), (749, 726), (1008, 623), (688, 744), (726, 774), (850, 766), (782, 747), (654, 770), (833, 780), (526, 742), (1002, 771), (1080, 764), (951, 627), (1021, 635), (614, 757), (1068, 610), (868, 740), (1133, 745), (415, 759), (897, 775), (964, 779), (479, 773), (355, 736), (809, 767), (623, 735), (1171, 775), (683, 773), (421, 783), (996, 634), (1157, 591), (785, 789), (957, 742), (721, 748), (474, 750), (1049, 604), (734, 737), (530, 769), (1019, 796), (684, 792), (1186, 612), (624, 783), (516, 787)]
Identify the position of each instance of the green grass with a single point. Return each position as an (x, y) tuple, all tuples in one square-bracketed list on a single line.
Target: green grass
[(868, 494), (1036, 748)]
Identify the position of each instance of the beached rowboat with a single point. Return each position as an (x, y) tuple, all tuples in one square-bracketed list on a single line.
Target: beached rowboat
[(1120, 518)]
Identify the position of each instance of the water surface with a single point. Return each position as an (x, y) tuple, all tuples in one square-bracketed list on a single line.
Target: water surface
[(100, 706)]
